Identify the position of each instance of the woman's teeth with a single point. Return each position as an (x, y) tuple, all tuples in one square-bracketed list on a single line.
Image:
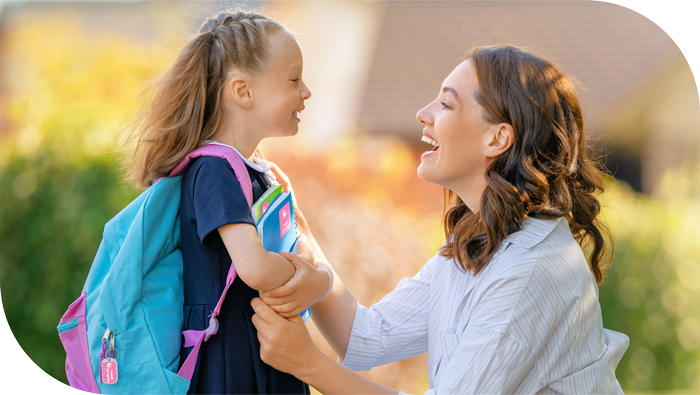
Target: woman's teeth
[(431, 141), (296, 114)]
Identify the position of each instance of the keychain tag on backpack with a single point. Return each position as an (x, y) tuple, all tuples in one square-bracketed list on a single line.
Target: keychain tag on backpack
[(109, 371), (108, 366)]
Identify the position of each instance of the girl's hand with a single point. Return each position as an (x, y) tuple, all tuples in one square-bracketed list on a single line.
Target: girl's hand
[(285, 343), (306, 287)]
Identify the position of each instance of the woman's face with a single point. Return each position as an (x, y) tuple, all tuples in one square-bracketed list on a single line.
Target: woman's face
[(454, 124)]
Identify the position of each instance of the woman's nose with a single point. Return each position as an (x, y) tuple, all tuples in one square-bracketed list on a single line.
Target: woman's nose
[(423, 116)]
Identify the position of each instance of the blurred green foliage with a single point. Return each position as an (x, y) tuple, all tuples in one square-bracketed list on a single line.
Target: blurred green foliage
[(51, 221), (60, 183), (652, 290)]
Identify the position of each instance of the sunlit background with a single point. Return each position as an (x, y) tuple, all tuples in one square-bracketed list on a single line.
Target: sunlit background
[(70, 73)]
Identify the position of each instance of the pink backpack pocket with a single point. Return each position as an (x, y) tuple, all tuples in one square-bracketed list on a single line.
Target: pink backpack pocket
[(73, 333)]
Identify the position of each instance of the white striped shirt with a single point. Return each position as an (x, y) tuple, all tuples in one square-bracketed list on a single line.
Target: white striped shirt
[(529, 323)]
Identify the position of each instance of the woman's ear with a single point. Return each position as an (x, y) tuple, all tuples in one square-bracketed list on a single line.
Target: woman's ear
[(501, 138), (239, 89)]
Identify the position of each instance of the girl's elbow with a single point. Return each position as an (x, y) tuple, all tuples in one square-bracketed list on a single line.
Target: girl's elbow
[(253, 279)]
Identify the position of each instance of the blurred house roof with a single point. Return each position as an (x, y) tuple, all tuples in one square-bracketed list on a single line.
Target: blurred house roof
[(608, 48)]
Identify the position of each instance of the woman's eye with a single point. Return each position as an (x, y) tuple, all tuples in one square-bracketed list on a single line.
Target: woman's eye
[(295, 80), (444, 105)]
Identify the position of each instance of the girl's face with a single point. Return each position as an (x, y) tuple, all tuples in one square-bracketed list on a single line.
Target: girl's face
[(280, 91), (454, 124)]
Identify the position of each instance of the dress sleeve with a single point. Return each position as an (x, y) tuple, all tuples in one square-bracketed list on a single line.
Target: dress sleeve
[(396, 328), (218, 200)]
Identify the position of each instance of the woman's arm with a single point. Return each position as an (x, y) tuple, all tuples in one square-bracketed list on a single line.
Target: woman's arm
[(333, 315), (302, 358)]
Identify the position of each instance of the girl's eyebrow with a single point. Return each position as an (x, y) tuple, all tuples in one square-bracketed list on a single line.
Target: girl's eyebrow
[(447, 89)]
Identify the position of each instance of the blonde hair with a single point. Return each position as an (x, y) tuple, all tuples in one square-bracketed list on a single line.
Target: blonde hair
[(183, 108)]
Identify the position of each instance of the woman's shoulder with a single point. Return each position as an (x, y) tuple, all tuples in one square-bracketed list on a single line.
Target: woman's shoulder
[(543, 243), (540, 269)]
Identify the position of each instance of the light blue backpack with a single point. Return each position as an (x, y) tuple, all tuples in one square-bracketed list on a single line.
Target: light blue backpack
[(123, 335)]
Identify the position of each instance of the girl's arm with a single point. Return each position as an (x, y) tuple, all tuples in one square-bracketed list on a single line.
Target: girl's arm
[(302, 358), (259, 269)]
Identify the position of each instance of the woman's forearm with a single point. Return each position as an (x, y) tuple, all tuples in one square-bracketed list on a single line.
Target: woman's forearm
[(330, 377), (334, 315)]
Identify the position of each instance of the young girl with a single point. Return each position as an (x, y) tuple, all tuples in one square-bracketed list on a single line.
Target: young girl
[(237, 82), (509, 304)]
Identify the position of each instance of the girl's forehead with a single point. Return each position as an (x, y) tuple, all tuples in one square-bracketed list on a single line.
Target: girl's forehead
[(285, 52)]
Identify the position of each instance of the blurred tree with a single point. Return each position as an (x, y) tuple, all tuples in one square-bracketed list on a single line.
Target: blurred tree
[(652, 291), (59, 183)]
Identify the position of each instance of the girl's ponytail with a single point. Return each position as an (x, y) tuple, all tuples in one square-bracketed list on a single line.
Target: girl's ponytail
[(182, 108)]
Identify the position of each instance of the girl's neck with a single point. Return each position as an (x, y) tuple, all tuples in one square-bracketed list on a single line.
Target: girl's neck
[(245, 147)]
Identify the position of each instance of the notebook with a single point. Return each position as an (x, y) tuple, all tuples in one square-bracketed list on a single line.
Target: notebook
[(276, 226)]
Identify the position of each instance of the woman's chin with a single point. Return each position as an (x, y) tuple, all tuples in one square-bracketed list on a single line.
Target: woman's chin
[(426, 175)]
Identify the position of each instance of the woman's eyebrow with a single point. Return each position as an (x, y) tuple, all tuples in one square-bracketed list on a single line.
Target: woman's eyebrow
[(447, 89)]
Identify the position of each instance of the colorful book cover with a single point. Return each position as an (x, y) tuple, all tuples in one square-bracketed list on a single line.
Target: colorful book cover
[(277, 228), (265, 201)]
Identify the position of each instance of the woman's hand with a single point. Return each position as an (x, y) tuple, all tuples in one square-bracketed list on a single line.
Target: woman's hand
[(306, 287), (285, 343)]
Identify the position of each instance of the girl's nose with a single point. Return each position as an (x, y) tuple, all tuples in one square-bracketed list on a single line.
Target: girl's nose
[(305, 92), (423, 116)]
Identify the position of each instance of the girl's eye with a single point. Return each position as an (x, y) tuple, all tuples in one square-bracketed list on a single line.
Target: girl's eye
[(444, 105), (295, 80)]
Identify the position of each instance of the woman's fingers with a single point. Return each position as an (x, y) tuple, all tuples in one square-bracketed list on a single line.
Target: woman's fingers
[(279, 292), (298, 261), (281, 177), (265, 312)]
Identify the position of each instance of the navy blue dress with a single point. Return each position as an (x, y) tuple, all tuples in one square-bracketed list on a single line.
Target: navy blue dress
[(229, 363)]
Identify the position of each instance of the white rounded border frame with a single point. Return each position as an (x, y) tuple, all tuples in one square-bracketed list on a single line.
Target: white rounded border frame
[(20, 375)]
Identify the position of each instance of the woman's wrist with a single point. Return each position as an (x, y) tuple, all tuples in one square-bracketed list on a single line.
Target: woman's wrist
[(324, 276), (312, 368)]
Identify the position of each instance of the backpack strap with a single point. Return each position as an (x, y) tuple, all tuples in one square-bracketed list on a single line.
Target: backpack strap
[(223, 152), (193, 337)]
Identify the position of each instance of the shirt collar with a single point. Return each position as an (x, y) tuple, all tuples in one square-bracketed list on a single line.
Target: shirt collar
[(533, 232)]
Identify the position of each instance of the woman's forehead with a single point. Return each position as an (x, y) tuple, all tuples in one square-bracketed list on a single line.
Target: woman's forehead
[(462, 79)]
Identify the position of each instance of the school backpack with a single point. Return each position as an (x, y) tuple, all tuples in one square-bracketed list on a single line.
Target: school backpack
[(123, 334)]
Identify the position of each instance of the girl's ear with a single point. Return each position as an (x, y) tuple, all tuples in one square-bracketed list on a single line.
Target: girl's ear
[(239, 89), (500, 139)]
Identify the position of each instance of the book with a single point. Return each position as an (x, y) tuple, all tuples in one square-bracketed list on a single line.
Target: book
[(265, 201), (276, 228), (275, 224)]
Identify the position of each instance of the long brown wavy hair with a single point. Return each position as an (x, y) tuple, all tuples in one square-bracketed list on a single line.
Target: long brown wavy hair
[(547, 173), (182, 109)]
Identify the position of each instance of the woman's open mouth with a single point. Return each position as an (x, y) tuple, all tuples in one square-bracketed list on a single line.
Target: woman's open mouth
[(431, 141)]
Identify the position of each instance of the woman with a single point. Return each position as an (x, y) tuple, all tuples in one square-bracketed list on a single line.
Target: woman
[(509, 304)]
